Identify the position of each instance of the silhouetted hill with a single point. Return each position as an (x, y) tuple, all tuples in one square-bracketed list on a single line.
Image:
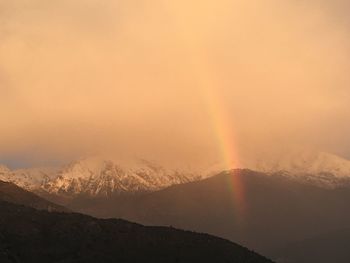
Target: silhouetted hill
[(29, 235), (277, 210), (11, 193), (325, 248)]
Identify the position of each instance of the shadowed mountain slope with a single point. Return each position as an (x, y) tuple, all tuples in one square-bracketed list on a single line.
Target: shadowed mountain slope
[(325, 248), (11, 193), (28, 235), (276, 210)]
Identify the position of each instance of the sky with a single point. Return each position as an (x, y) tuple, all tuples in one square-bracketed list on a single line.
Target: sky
[(182, 81)]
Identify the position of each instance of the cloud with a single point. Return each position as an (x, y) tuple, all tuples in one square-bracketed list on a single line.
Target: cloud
[(80, 77)]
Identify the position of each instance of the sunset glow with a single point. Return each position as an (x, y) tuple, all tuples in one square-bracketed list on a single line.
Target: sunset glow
[(174, 131)]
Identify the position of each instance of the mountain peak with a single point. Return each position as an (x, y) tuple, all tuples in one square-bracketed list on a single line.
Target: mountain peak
[(96, 176), (303, 162)]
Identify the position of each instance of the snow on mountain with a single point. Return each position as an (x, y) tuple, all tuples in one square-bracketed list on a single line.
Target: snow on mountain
[(306, 166), (324, 180), (4, 170), (305, 162), (30, 179), (99, 177)]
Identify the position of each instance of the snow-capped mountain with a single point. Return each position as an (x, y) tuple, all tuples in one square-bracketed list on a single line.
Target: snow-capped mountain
[(303, 162), (104, 177), (30, 179), (307, 166), (99, 177)]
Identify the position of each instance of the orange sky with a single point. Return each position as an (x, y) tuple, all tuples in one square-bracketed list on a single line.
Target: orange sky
[(157, 78)]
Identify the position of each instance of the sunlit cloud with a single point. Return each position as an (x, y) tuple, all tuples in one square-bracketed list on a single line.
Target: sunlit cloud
[(149, 78)]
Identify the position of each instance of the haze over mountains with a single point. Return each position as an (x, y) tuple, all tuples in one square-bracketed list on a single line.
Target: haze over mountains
[(302, 162), (104, 177), (295, 198), (228, 104)]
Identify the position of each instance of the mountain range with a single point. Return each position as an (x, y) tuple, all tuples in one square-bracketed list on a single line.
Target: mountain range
[(29, 235), (296, 198), (303, 165), (277, 211), (98, 177)]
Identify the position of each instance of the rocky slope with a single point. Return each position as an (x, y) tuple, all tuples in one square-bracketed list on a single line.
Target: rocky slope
[(98, 177), (30, 179)]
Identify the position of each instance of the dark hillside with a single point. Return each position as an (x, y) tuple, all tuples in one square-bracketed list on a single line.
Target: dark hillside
[(32, 236)]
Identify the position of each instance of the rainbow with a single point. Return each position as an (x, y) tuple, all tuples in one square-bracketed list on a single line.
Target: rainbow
[(207, 83)]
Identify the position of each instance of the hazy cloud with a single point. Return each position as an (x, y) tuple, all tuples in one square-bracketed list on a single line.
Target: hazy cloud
[(84, 77)]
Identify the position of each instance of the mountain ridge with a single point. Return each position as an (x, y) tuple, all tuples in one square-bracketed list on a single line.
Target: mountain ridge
[(99, 177), (10, 192), (277, 210), (29, 235)]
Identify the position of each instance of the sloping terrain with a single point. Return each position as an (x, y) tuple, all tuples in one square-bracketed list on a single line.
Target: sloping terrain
[(324, 248), (302, 165), (274, 210), (32, 236), (9, 192)]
